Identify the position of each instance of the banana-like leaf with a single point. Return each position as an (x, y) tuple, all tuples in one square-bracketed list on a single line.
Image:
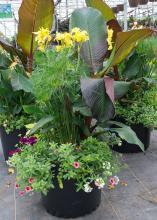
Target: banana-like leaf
[(107, 13), (33, 14), (125, 43), (96, 98), (126, 133), (94, 50), (20, 82)]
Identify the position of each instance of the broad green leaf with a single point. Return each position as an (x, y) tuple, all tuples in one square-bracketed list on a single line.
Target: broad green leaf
[(32, 110), (94, 50), (40, 124), (127, 134), (4, 61), (106, 11), (20, 82), (125, 43), (121, 88), (96, 98), (33, 14)]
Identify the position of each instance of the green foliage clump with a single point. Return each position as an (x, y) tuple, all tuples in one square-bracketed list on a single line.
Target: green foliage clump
[(42, 161)]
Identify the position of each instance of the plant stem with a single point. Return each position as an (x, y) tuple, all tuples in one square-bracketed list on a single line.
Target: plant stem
[(15, 213)]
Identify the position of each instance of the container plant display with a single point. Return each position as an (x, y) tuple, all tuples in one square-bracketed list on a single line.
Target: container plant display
[(15, 69), (138, 107), (71, 158)]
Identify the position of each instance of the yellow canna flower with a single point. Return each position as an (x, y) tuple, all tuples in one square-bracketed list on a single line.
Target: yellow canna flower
[(43, 38), (109, 39), (59, 36), (79, 36)]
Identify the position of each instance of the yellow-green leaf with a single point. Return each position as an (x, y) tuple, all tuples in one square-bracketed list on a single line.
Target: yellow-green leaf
[(33, 14), (103, 8)]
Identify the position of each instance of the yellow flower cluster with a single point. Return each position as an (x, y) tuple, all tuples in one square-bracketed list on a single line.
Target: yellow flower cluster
[(67, 40), (43, 38), (109, 39)]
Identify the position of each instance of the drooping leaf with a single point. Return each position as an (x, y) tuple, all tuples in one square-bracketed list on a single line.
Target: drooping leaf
[(121, 88), (125, 43), (94, 50), (96, 98), (107, 13), (33, 14), (13, 51), (20, 82), (127, 134), (40, 124)]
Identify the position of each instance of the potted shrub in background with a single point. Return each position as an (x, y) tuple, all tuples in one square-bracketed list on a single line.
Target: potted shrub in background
[(15, 91), (15, 69), (138, 107)]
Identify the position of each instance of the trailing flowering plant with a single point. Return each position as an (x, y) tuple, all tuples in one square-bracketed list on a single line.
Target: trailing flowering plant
[(89, 163)]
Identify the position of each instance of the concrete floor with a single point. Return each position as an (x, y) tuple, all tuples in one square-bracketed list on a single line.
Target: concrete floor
[(137, 201)]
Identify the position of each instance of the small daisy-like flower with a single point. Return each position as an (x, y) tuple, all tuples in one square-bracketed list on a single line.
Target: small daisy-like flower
[(30, 180), (88, 188), (21, 193), (28, 189), (76, 165), (107, 165), (100, 183), (116, 178)]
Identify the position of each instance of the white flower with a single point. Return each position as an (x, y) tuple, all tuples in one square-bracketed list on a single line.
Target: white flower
[(100, 183), (87, 188), (106, 165), (116, 178), (120, 143)]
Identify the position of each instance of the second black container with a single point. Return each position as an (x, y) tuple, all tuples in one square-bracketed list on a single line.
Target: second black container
[(10, 140), (142, 133)]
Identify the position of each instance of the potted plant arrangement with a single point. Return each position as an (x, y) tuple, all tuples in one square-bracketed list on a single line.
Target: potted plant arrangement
[(15, 69), (13, 94), (138, 107), (71, 158)]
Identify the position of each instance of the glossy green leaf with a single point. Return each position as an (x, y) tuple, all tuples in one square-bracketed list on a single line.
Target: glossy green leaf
[(94, 50), (121, 88), (127, 134), (20, 82), (33, 14)]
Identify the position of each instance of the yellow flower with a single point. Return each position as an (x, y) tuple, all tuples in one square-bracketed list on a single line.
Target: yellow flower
[(79, 36), (59, 36), (109, 39), (58, 48), (43, 38)]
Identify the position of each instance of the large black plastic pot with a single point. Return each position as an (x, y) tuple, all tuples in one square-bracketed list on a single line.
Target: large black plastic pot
[(10, 140), (142, 133), (67, 203)]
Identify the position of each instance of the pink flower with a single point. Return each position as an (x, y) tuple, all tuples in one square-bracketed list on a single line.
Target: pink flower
[(76, 165), (28, 189), (112, 181), (16, 186), (21, 193), (30, 180)]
